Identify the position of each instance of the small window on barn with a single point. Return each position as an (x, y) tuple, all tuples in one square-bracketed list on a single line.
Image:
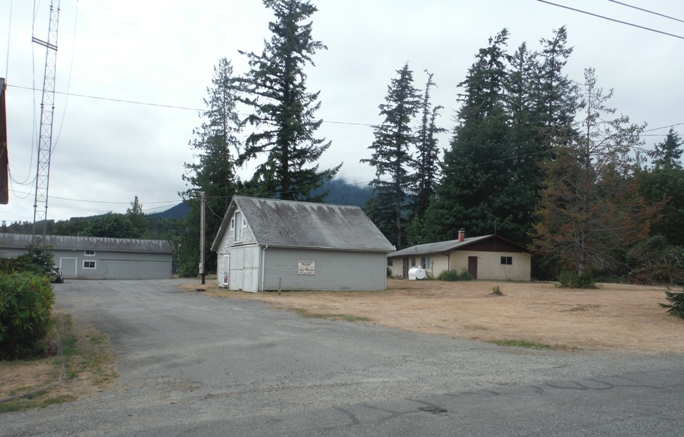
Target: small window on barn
[(507, 260), (90, 253), (413, 262), (232, 223), (88, 264), (389, 262), (237, 231)]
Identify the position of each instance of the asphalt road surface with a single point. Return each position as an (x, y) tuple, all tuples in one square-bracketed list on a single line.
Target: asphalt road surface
[(194, 365)]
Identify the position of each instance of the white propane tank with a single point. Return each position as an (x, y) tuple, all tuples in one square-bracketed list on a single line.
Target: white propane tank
[(417, 273)]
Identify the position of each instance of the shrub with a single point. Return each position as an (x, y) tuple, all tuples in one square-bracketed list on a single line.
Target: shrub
[(37, 260), (25, 303), (574, 280), (676, 308), (654, 261), (453, 275)]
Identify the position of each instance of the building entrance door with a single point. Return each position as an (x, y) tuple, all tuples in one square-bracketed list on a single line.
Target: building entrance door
[(472, 266), (67, 265)]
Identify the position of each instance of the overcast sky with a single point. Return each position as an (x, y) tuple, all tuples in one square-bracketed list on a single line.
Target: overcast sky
[(163, 52)]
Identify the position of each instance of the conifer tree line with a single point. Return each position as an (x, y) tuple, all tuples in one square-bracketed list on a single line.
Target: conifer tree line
[(534, 155)]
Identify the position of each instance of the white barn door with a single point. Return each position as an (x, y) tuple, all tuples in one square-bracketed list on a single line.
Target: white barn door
[(225, 264), (251, 269)]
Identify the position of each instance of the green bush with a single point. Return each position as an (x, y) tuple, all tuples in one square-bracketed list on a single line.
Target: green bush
[(676, 308), (574, 280), (453, 275), (36, 260), (25, 303)]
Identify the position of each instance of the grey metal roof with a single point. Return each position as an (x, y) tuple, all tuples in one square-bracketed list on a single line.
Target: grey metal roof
[(441, 246), (285, 223), (61, 242)]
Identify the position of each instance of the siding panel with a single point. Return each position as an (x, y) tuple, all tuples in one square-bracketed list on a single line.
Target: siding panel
[(335, 270)]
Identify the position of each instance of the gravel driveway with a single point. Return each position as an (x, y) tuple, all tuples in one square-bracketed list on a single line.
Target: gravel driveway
[(196, 365)]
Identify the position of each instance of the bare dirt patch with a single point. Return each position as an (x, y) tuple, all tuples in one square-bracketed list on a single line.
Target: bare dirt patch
[(84, 367), (615, 316)]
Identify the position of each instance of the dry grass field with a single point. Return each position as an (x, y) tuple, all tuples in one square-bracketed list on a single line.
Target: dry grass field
[(541, 315)]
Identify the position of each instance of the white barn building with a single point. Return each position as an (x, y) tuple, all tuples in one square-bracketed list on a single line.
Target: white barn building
[(264, 244)]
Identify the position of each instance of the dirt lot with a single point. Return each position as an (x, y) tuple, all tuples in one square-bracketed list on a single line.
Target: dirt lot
[(538, 314)]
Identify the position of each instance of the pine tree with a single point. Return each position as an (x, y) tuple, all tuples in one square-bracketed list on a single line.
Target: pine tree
[(284, 111), (663, 185), (391, 156), (137, 217), (591, 211), (556, 95), (479, 190), (214, 170), (668, 154), (426, 165)]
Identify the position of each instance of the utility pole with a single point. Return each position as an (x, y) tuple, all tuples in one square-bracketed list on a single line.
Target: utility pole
[(201, 266), (47, 110)]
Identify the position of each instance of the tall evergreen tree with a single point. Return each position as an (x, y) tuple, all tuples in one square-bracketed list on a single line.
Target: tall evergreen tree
[(591, 212), (426, 164), (214, 170), (391, 156), (663, 185), (284, 111), (137, 217), (479, 190), (556, 95), (668, 154)]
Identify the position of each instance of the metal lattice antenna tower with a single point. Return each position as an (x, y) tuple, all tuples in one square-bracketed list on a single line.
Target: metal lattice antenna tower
[(47, 109)]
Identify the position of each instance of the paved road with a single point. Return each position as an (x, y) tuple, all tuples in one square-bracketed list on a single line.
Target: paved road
[(194, 365)]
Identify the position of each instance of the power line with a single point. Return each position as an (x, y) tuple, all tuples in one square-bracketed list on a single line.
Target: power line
[(612, 19), (114, 100), (104, 201), (646, 10), (197, 109), (663, 127), (161, 105)]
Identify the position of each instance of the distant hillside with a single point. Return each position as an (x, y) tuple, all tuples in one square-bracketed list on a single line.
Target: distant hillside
[(341, 193), (345, 193), (175, 213)]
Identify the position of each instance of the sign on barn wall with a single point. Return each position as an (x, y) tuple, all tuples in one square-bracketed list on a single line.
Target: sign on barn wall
[(305, 267)]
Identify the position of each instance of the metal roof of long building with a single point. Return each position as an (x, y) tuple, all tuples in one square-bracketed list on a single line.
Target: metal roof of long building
[(441, 246), (62, 242), (295, 224)]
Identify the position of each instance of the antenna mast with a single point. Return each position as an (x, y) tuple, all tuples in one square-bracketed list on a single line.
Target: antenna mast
[(47, 109)]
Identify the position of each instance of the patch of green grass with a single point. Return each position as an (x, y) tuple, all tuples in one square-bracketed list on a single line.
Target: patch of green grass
[(533, 345), (582, 308), (97, 338), (477, 327), (29, 403), (346, 317)]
